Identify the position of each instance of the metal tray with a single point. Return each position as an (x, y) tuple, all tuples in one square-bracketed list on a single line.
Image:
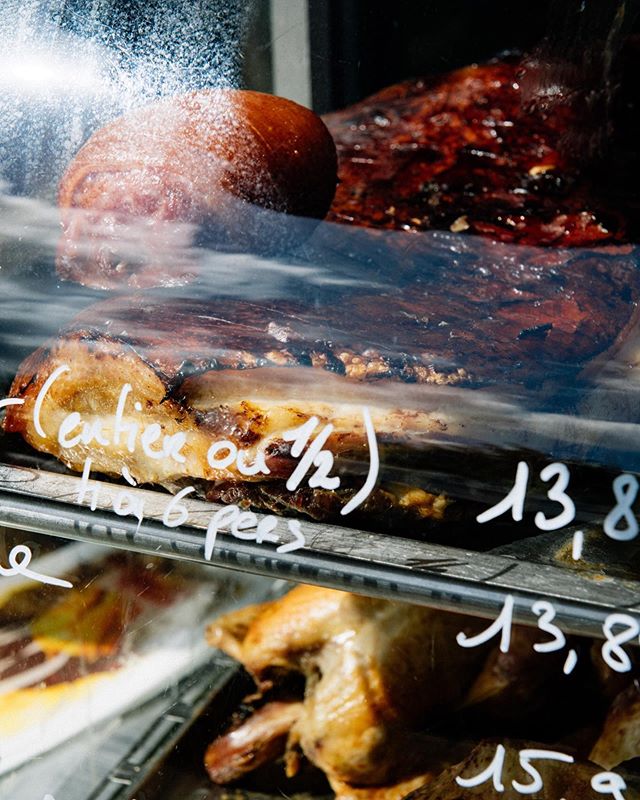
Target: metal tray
[(386, 566)]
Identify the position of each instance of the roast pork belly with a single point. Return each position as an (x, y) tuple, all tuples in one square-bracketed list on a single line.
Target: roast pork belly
[(469, 152), (203, 373), (413, 353)]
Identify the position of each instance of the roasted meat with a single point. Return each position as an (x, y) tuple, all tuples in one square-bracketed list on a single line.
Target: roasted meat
[(468, 151), (521, 679), (362, 660), (619, 739), (385, 703), (211, 370), (258, 740)]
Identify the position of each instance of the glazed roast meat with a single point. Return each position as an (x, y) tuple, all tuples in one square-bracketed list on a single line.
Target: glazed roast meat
[(228, 369), (470, 151)]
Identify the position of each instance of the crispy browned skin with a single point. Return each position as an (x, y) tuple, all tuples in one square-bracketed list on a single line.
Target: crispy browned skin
[(459, 314), (464, 151), (190, 386), (520, 682), (392, 791), (620, 737), (140, 189), (362, 660), (266, 735)]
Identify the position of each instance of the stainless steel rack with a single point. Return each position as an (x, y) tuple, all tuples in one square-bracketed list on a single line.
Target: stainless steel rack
[(379, 565)]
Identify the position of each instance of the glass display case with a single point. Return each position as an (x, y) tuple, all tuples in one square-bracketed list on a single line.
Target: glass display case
[(318, 400)]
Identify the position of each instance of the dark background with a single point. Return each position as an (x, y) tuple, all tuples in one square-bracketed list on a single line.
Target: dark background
[(374, 43), (359, 46)]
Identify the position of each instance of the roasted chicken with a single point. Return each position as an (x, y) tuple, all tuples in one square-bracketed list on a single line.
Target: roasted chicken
[(375, 673), (385, 700)]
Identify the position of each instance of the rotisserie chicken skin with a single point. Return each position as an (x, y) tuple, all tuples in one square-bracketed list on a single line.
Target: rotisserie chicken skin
[(620, 737), (375, 672), (383, 680)]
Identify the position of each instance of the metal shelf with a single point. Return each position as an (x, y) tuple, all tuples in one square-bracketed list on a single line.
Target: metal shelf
[(378, 565)]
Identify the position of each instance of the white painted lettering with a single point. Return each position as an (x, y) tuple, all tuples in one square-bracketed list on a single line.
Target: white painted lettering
[(612, 652), (222, 518), (493, 772), (298, 538), (84, 487), (128, 504), (176, 507), (374, 466), (259, 465), (130, 429), (264, 533), (217, 462), (609, 783), (502, 625), (149, 436), (69, 424), (19, 559), (242, 524), (42, 394), (172, 445)]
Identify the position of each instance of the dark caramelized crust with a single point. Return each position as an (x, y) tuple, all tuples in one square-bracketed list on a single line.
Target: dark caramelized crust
[(465, 152), (569, 781), (445, 310)]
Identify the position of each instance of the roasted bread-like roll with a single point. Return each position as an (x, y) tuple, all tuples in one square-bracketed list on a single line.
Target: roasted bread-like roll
[(211, 165)]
